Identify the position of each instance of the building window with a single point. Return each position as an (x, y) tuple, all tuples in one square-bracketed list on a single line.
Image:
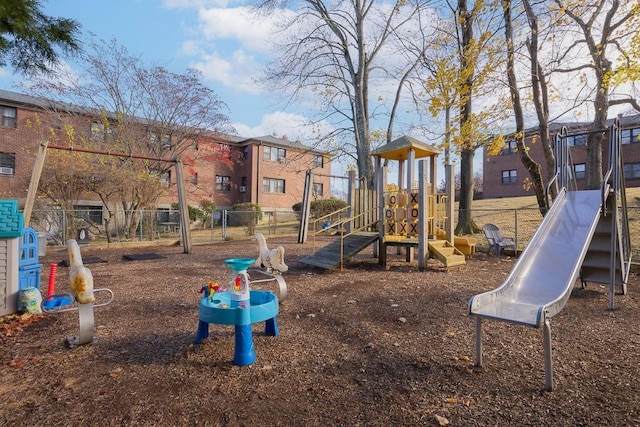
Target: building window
[(165, 141), (9, 116), (318, 189), (224, 150), (245, 152), (223, 183), (631, 170), (577, 140), (275, 154), (580, 171), (7, 164), (318, 161), (509, 177), (630, 136), (165, 179), (272, 185), (510, 147), (97, 131)]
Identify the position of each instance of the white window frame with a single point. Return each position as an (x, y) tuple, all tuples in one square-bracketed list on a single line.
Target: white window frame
[(273, 185)]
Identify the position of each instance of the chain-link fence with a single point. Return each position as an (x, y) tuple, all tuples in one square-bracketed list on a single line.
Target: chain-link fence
[(153, 225), (517, 224), (521, 224)]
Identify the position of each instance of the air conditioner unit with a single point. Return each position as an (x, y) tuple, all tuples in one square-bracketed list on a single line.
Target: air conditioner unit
[(164, 183), (6, 171), (243, 188)]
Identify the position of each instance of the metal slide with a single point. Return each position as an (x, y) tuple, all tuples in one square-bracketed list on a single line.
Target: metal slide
[(542, 279), (540, 283)]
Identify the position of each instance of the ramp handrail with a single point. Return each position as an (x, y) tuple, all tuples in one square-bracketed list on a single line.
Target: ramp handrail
[(340, 225)]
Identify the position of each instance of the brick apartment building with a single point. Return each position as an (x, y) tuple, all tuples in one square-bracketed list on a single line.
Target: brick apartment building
[(267, 171), (505, 176)]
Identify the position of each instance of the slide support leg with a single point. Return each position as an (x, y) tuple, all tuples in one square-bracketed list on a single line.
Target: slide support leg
[(548, 358), (477, 320)]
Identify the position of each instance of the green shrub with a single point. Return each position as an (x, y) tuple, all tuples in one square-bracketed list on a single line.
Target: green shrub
[(194, 213), (322, 207)]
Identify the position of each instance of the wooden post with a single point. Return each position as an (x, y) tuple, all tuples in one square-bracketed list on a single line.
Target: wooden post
[(305, 208), (423, 203), (351, 197), (381, 185), (185, 225), (450, 190), (35, 180)]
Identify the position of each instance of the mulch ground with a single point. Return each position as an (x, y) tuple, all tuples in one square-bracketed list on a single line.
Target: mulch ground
[(368, 346)]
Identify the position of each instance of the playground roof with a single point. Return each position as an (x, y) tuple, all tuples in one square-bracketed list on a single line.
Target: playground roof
[(398, 149)]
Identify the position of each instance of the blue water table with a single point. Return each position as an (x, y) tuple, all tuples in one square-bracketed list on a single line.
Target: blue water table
[(239, 306)]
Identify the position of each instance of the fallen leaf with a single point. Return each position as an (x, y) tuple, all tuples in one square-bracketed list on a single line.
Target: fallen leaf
[(116, 373), (17, 363), (442, 421)]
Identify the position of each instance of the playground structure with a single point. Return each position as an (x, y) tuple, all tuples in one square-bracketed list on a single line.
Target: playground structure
[(83, 293), (409, 215), (239, 306), (584, 235)]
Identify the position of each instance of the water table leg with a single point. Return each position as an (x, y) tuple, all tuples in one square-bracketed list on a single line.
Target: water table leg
[(244, 353), (271, 327), (202, 332)]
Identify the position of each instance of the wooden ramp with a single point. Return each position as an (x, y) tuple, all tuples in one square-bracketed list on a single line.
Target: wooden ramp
[(328, 257)]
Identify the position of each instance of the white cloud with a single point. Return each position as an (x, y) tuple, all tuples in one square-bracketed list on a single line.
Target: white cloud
[(295, 127), (240, 25), (235, 71), (230, 44)]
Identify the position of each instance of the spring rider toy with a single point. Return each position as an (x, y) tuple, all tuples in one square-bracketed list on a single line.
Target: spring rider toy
[(239, 306), (82, 292)]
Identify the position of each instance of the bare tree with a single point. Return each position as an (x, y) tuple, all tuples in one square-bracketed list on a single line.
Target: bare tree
[(531, 165), (602, 31), (336, 53), (137, 109)]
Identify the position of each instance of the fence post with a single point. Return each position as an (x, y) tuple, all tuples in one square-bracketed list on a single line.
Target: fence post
[(224, 225), (515, 214)]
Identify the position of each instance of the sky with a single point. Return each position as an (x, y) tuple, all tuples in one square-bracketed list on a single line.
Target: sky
[(214, 37), (217, 37)]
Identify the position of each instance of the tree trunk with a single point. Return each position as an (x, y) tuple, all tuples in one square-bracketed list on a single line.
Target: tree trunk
[(465, 222), (540, 95), (466, 225), (532, 167), (594, 142)]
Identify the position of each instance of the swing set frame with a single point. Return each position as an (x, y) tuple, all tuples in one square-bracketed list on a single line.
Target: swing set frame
[(177, 164)]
